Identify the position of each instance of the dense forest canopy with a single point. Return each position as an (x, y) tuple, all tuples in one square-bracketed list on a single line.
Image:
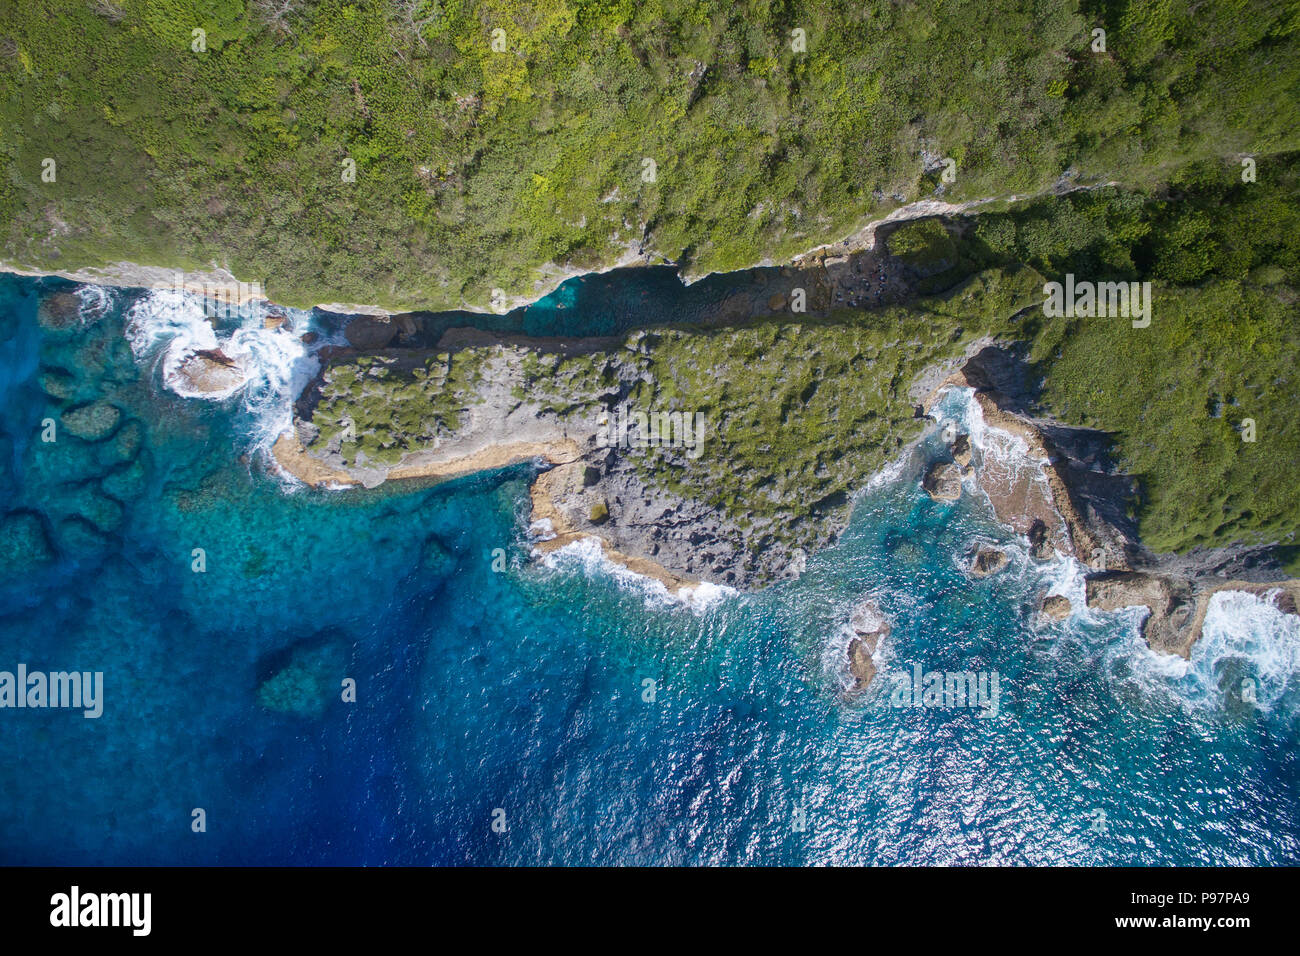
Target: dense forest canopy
[(491, 139)]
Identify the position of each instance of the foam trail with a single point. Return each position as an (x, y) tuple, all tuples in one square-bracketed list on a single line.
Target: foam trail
[(1262, 639), (96, 300), (1002, 456), (169, 326), (587, 556)]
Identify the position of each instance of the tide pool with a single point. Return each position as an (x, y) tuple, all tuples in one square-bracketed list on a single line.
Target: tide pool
[(594, 719)]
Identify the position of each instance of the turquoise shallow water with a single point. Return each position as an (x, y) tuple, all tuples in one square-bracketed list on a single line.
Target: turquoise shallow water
[(523, 689)]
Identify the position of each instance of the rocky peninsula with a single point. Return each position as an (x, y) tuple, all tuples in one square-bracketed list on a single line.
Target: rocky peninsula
[(796, 411)]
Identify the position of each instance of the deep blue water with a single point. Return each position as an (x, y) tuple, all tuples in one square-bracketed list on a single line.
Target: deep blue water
[(523, 689)]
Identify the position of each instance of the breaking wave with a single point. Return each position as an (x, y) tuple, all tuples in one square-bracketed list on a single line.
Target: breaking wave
[(168, 327)]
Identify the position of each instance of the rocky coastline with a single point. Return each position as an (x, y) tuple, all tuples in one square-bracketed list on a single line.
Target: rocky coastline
[(1070, 503), (1086, 498)]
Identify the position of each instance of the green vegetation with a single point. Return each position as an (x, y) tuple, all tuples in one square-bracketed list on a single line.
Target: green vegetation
[(798, 414), (1177, 396), (391, 404), (475, 167), (1223, 345)]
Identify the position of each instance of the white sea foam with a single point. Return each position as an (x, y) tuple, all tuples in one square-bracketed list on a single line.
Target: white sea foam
[(586, 556), (1249, 651), (1251, 629), (1003, 458), (96, 300), (167, 326), (892, 471)]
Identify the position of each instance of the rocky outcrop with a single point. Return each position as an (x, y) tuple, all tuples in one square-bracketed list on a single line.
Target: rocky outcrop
[(861, 667), (870, 627), (556, 495), (1171, 605), (987, 561), (942, 481), (1176, 606), (1075, 506), (1056, 607), (209, 372), (961, 450), (1025, 485), (1040, 547)]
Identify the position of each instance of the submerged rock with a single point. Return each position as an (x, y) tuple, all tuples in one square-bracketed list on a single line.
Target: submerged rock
[(59, 311), (59, 385), (942, 481), (987, 561), (79, 538), (24, 545), (99, 509), (436, 558), (126, 482), (311, 678), (93, 422)]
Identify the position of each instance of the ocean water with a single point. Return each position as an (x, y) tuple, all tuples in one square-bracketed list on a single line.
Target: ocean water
[(519, 695)]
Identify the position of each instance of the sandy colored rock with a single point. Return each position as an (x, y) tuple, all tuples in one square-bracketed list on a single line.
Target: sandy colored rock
[(1057, 607), (210, 372), (861, 666), (987, 561), (560, 482), (1169, 628), (293, 458), (961, 450), (942, 481)]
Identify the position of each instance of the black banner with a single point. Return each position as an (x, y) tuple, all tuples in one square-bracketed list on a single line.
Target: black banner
[(337, 905)]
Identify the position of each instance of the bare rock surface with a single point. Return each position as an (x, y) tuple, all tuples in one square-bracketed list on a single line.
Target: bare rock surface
[(942, 481)]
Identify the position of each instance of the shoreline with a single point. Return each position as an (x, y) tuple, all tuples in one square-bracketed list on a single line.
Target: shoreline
[(291, 458), (125, 274)]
